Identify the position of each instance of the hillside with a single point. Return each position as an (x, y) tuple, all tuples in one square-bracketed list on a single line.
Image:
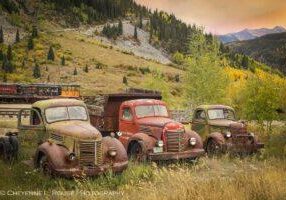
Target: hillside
[(249, 34), (269, 49)]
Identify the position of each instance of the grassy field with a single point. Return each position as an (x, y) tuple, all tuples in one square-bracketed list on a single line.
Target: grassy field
[(106, 66), (259, 177), (223, 178)]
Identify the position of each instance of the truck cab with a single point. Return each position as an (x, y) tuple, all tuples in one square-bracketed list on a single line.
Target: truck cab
[(59, 138), (222, 132), (147, 131), (144, 126)]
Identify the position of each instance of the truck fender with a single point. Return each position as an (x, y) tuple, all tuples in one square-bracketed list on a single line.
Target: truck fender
[(113, 143), (199, 140), (144, 140), (218, 137), (56, 155)]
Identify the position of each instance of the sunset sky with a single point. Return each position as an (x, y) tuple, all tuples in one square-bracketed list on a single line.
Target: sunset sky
[(224, 16)]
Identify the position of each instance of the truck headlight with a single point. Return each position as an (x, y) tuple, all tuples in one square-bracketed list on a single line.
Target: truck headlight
[(193, 141), (160, 143), (119, 134), (228, 134), (72, 157), (112, 152)]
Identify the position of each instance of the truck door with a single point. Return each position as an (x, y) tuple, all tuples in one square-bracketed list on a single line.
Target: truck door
[(127, 124), (31, 130), (199, 123)]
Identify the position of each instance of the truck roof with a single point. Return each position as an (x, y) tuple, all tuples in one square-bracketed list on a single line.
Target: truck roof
[(206, 107), (137, 102), (57, 102)]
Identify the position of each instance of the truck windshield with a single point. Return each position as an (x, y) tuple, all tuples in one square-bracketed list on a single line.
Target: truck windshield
[(221, 114), (151, 111), (65, 113)]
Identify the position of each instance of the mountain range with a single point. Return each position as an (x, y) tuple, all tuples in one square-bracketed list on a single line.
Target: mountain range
[(269, 49), (249, 34)]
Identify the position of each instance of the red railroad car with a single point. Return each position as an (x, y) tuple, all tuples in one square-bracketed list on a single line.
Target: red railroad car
[(8, 89)]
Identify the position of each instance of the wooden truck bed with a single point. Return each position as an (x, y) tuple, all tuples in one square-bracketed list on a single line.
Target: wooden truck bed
[(104, 109)]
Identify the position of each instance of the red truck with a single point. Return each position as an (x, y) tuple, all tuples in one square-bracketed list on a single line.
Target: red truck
[(144, 125)]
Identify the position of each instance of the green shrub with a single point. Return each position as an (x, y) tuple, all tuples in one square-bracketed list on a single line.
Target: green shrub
[(178, 58)]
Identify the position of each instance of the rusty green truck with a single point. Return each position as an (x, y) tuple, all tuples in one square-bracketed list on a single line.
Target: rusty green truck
[(59, 138), (222, 132)]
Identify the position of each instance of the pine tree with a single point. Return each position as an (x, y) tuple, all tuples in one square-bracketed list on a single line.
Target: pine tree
[(17, 39), (120, 28), (1, 55), (124, 80), (63, 61), (30, 43), (151, 34), (23, 64), (51, 55), (135, 33), (141, 21), (1, 35), (86, 69), (4, 77), (245, 62), (37, 71), (34, 32), (7, 65), (9, 53), (75, 71), (4, 60)]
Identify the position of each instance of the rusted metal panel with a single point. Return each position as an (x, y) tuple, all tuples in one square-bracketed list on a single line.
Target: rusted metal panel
[(104, 109), (230, 134), (31, 93)]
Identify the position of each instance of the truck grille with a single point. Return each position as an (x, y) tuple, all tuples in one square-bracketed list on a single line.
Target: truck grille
[(90, 153), (99, 158), (240, 139), (57, 137), (175, 141)]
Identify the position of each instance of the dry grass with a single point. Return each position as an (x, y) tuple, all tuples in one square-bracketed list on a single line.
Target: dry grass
[(208, 180), (251, 178)]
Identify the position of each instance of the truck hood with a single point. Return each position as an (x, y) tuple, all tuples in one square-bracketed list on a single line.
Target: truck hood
[(76, 129), (221, 122), (155, 121), (155, 125)]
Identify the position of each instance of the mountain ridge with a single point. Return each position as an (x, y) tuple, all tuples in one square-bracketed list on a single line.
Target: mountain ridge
[(269, 49), (249, 34)]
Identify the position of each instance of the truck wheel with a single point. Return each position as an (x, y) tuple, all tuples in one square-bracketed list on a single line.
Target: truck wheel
[(6, 149), (1, 147), (45, 166), (213, 148), (136, 153), (15, 146)]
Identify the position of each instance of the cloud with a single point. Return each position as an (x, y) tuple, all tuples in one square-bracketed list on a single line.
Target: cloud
[(221, 16)]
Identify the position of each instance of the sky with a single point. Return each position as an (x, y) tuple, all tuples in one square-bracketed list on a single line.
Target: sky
[(224, 16)]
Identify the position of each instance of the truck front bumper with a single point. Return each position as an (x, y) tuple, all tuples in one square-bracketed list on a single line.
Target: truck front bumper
[(94, 171), (193, 154), (242, 148)]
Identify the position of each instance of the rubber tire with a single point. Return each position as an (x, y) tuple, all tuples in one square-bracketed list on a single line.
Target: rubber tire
[(45, 166), (7, 150), (136, 153), (15, 146), (213, 148)]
